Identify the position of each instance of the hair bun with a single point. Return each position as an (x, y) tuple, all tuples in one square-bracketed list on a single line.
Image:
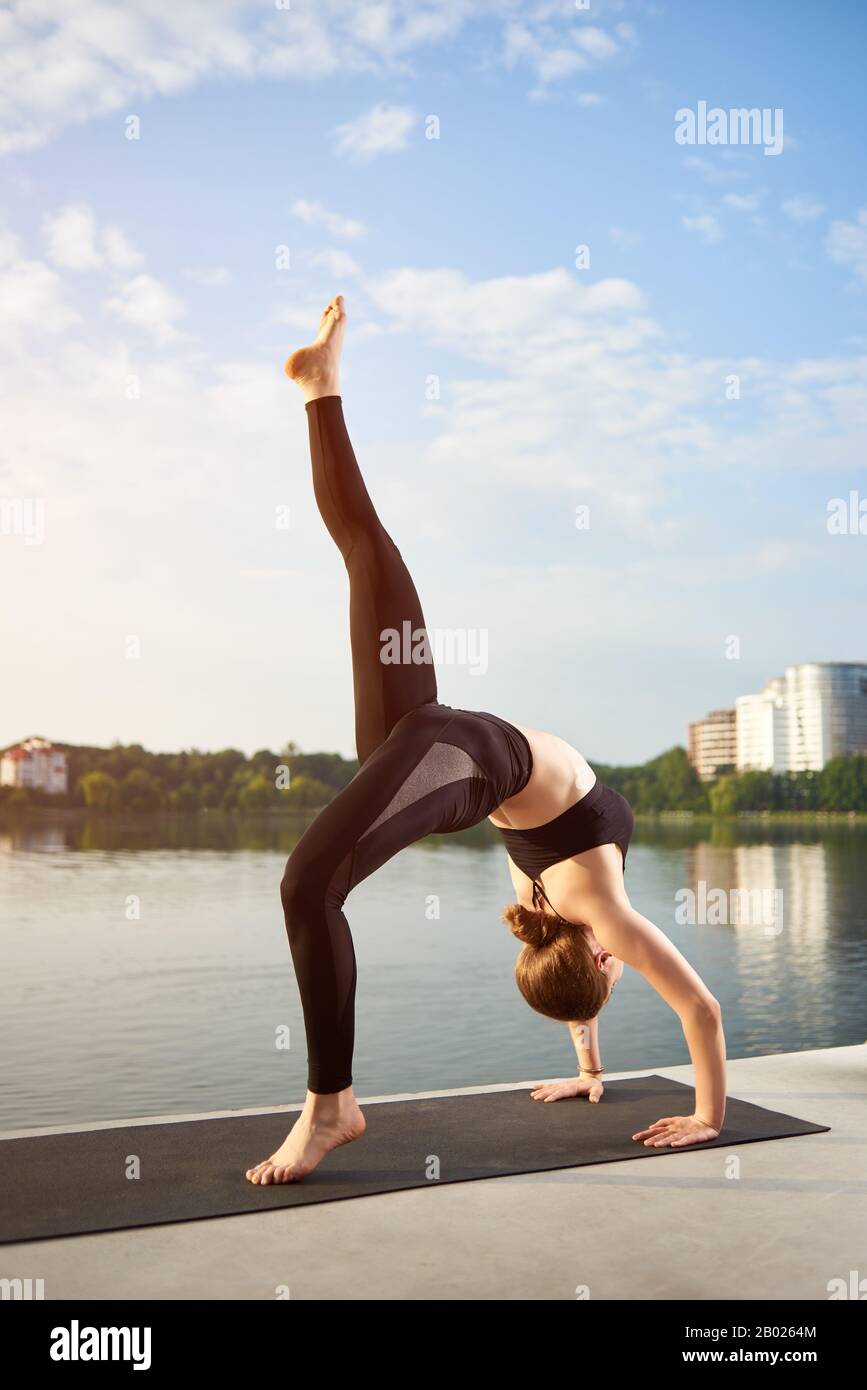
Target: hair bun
[(532, 927)]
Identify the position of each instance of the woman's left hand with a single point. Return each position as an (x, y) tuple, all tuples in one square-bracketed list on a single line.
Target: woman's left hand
[(676, 1132)]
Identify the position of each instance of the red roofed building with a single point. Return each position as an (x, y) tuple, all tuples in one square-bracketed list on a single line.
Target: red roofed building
[(36, 764)]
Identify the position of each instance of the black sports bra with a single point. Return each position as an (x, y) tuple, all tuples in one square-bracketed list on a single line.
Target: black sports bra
[(601, 817)]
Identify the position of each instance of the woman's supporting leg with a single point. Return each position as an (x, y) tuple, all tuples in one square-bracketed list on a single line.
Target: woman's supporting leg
[(385, 807), (424, 778)]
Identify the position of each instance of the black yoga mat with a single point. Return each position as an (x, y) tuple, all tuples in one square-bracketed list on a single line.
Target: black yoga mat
[(66, 1184)]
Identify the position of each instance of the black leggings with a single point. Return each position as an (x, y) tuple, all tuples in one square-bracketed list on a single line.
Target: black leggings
[(425, 767)]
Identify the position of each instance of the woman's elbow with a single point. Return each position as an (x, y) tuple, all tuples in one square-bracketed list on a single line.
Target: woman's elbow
[(703, 1008)]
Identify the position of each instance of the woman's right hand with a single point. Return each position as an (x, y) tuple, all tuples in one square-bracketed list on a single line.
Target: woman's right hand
[(589, 1086)]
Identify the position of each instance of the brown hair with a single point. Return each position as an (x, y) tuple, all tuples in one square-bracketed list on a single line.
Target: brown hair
[(556, 972)]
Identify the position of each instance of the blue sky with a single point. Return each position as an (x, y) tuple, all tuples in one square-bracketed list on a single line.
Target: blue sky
[(152, 261)]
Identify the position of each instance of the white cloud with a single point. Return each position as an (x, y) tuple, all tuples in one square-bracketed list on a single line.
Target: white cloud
[(145, 303), (624, 237), (31, 298), (846, 243), (9, 246), (553, 64), (119, 254), (381, 130), (315, 215), (336, 263), (596, 43), (75, 242), (534, 320), (71, 238), (582, 399), (590, 99), (743, 202), (803, 208), (555, 50), (707, 225), (81, 60)]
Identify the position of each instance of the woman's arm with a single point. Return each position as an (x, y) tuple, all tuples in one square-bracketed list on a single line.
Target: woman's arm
[(637, 942), (585, 1037)]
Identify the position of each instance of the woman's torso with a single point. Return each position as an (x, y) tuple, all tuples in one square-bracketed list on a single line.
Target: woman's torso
[(560, 780), (560, 777)]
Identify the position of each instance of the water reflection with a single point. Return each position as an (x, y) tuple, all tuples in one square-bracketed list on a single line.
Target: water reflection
[(209, 830)]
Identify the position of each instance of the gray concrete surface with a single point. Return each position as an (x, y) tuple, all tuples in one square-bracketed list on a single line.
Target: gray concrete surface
[(775, 1220)]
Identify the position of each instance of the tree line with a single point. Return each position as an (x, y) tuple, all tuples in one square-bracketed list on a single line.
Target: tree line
[(670, 783), (128, 778)]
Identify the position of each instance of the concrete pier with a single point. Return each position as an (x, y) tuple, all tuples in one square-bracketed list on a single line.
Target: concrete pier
[(783, 1222)]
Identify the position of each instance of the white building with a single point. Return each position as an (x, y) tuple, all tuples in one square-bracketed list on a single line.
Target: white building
[(800, 721), (712, 743), (762, 741), (34, 764)]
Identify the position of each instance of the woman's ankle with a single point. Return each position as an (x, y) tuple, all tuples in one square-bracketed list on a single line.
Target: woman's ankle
[(314, 390), (331, 1102)]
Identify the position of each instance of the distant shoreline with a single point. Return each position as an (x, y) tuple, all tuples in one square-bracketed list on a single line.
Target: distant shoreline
[(277, 813)]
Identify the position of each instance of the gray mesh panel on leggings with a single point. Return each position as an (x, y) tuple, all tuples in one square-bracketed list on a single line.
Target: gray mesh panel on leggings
[(441, 764)]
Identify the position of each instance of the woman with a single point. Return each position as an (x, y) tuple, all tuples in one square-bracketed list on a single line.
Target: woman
[(427, 768)]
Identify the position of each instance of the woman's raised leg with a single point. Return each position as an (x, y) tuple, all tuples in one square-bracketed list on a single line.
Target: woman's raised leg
[(385, 614)]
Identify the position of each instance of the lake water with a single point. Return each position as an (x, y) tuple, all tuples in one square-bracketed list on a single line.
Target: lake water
[(105, 1016)]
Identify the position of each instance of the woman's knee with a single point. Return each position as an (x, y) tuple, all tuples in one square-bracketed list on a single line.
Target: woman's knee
[(299, 892)]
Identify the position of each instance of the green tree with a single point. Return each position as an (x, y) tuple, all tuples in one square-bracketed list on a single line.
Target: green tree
[(723, 796), (185, 798), (100, 790), (257, 794), (139, 791), (839, 785), (756, 791), (677, 780), (329, 768), (306, 793), (209, 796)]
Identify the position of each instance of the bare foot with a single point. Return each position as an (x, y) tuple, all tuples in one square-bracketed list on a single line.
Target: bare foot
[(325, 1123), (316, 368)]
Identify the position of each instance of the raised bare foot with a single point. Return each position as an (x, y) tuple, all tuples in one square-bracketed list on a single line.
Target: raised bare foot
[(325, 1123), (316, 368)]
